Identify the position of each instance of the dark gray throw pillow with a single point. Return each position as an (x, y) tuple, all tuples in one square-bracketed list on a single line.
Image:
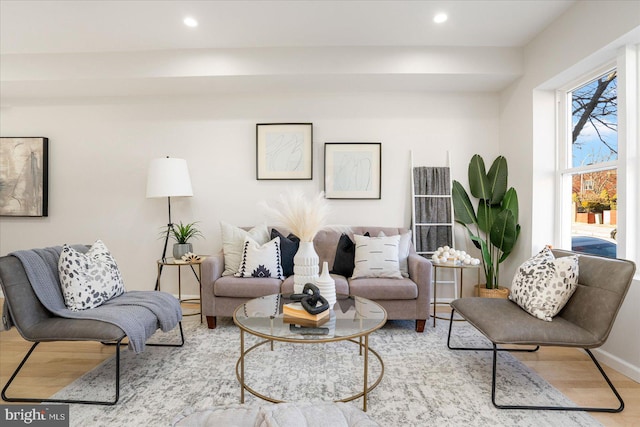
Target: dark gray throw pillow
[(343, 263), (288, 248)]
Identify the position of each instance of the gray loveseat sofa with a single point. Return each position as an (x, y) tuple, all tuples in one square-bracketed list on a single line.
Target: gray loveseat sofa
[(406, 298)]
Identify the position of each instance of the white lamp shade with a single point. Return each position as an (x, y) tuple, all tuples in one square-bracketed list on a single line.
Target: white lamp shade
[(168, 177)]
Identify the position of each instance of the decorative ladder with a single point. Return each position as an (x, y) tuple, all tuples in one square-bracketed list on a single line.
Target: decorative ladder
[(432, 212)]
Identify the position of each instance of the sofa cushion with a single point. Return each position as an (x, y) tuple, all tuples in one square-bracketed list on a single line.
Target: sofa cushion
[(245, 287), (377, 257), (288, 248), (383, 289), (233, 241), (543, 284), (342, 286), (260, 260), (88, 280)]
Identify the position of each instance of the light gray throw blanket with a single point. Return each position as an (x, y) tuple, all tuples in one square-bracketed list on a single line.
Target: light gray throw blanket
[(138, 313)]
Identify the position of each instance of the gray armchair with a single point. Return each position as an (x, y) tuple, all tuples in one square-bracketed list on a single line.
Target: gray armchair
[(584, 322), (36, 324)]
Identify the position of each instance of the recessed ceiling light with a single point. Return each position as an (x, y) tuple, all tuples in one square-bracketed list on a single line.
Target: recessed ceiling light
[(190, 22), (439, 18)]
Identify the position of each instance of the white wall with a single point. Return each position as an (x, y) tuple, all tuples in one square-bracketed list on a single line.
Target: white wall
[(563, 52), (99, 152)]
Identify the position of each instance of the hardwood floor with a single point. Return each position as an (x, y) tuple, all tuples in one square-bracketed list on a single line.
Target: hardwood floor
[(569, 370), (573, 373)]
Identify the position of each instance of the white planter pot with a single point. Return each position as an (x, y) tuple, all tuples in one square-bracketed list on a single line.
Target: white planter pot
[(180, 249)]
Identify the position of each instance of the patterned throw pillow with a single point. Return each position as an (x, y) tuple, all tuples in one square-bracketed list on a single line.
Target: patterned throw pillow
[(261, 260), (377, 257), (88, 280), (543, 284), (233, 244)]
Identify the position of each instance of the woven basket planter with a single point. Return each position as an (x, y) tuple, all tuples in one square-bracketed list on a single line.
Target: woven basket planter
[(483, 292)]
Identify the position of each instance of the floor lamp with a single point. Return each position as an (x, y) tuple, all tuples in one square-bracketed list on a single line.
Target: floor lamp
[(168, 177)]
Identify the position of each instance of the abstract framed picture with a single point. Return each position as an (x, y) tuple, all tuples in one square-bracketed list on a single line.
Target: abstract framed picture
[(24, 164), (352, 170), (284, 151)]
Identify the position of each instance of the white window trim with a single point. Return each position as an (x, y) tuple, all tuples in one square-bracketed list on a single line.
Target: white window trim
[(628, 164), (628, 64)]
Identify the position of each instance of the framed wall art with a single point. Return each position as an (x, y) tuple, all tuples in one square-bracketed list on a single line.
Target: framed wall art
[(284, 151), (24, 176), (352, 170)]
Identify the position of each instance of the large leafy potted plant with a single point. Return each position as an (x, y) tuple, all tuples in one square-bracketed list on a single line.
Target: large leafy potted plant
[(493, 227), (182, 233)]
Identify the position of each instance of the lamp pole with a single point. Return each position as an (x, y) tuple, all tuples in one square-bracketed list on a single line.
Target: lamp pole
[(168, 177), (166, 242)]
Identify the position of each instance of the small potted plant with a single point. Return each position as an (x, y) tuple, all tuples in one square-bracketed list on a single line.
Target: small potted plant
[(182, 233), (494, 229)]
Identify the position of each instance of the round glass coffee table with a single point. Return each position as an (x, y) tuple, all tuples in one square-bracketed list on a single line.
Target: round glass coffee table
[(352, 319)]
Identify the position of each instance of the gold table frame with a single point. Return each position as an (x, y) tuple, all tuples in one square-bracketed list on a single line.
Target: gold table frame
[(435, 303), (170, 262), (359, 338)]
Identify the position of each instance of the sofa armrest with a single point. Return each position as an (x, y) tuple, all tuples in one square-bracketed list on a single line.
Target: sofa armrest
[(420, 273), (212, 268)]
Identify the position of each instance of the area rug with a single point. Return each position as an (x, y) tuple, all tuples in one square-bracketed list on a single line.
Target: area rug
[(424, 382)]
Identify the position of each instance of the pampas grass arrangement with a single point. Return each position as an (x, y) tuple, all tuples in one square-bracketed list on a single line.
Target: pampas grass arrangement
[(302, 216)]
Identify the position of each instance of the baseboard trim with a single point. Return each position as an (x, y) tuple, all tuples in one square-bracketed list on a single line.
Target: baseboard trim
[(443, 300), (618, 364), (185, 296)]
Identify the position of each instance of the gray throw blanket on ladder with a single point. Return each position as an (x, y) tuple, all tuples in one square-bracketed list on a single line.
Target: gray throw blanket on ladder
[(432, 181), (138, 313)]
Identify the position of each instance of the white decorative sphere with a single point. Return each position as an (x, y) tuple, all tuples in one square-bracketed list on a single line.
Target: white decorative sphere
[(435, 257), (446, 248), (467, 261)]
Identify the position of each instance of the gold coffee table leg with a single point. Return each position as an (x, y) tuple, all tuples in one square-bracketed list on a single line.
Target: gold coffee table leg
[(241, 366), (366, 387), (366, 372)]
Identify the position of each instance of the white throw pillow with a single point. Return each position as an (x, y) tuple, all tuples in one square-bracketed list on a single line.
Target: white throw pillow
[(543, 284), (88, 280), (233, 242), (377, 257), (261, 260), (403, 251)]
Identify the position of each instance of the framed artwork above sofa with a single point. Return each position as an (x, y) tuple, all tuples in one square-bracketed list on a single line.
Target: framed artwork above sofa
[(284, 151), (353, 170)]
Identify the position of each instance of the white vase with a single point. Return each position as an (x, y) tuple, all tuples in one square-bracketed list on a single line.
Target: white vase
[(327, 285), (305, 266)]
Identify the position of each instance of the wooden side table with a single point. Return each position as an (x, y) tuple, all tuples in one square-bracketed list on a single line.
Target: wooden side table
[(172, 262), (437, 266)]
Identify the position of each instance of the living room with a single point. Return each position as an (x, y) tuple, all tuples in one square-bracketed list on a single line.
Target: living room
[(114, 85)]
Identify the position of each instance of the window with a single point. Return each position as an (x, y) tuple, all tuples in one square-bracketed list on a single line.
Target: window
[(588, 185), (590, 166)]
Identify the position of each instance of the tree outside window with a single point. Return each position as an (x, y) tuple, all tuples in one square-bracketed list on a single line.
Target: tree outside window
[(593, 164)]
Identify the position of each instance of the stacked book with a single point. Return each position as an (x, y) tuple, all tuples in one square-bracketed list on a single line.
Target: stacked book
[(295, 313)]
